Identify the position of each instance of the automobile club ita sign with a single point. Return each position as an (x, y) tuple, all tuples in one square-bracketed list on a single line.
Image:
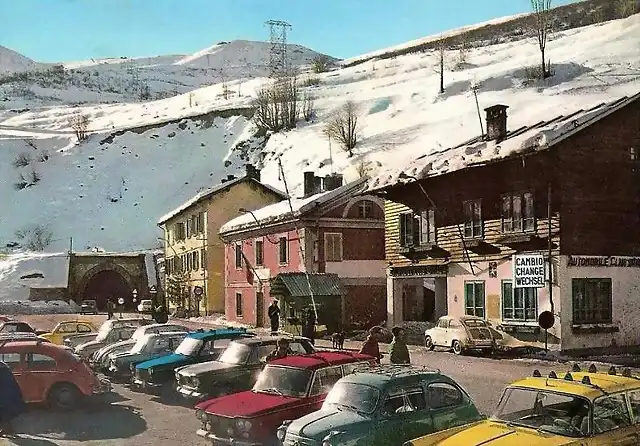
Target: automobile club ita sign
[(528, 271)]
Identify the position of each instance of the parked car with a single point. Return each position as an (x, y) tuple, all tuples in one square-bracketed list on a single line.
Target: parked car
[(20, 327), (99, 361), (145, 306), (69, 328), (4, 318), (460, 334), (384, 406), (25, 336), (199, 346), (76, 340), (115, 334), (573, 408), (150, 346), (236, 369), (50, 373), (286, 389), (89, 306)]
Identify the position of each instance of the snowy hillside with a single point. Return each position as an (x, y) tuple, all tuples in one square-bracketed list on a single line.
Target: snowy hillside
[(136, 79), (109, 190)]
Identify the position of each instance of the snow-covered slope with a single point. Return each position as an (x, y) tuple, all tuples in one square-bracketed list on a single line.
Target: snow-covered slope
[(125, 79), (10, 61)]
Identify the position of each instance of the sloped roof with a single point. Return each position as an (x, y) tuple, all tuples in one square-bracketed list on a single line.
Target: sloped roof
[(203, 195), (297, 284), (289, 210), (477, 151)]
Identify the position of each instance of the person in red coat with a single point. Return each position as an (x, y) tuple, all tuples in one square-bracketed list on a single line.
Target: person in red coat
[(371, 346)]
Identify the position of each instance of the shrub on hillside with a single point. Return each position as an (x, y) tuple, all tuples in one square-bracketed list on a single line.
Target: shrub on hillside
[(308, 107), (343, 127), (79, 123), (21, 160), (21, 183), (278, 107), (312, 81), (321, 63)]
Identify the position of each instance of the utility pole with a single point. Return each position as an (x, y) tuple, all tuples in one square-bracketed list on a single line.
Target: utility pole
[(278, 60), (549, 246)]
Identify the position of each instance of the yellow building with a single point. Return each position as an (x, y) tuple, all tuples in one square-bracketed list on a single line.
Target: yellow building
[(194, 254)]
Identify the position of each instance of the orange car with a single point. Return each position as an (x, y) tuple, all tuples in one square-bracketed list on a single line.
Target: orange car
[(49, 373)]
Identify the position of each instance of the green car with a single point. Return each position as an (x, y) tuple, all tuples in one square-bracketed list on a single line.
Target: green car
[(386, 405)]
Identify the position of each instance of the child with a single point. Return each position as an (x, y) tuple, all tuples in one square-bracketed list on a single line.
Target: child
[(398, 351), (370, 346)]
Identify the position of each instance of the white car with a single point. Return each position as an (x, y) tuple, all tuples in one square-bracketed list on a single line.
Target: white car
[(460, 334), (145, 306)]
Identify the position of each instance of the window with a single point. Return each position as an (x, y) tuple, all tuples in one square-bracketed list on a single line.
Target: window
[(609, 413), (472, 218), (591, 301), (179, 231), (365, 209), (407, 229), (259, 252), (238, 250), (283, 251), (11, 359), (417, 229), (519, 303), (518, 213), (67, 328), (441, 395), (238, 304), (84, 328), (203, 258), (195, 260), (402, 400), (332, 247), (37, 361), (325, 379), (189, 227), (200, 222), (194, 225), (188, 262), (427, 226), (474, 298)]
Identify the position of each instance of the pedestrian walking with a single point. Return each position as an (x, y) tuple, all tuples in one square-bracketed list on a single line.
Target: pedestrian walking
[(12, 402), (110, 308), (309, 327), (274, 316), (398, 351), (371, 345)]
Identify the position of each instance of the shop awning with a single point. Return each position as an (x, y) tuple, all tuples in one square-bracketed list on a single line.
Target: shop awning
[(296, 284)]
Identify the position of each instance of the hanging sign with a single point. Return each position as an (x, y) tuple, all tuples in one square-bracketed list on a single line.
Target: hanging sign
[(528, 271)]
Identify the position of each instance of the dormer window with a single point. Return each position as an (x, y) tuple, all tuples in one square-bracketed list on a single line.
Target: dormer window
[(417, 229), (472, 218), (518, 212), (365, 209)]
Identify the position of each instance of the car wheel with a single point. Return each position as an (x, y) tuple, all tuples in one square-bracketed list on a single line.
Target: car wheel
[(63, 397), (428, 342), (456, 346)]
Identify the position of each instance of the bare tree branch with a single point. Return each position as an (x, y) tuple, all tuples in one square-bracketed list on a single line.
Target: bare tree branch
[(542, 21)]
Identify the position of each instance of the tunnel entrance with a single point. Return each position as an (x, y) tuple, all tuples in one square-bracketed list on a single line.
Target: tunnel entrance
[(108, 284)]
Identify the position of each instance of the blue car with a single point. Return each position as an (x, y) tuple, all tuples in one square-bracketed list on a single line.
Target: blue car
[(199, 346)]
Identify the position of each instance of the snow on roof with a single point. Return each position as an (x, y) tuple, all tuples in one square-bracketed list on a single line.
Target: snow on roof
[(200, 196), (20, 272), (478, 151), (284, 210)]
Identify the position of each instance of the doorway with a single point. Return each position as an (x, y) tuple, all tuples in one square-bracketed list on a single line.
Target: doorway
[(259, 309)]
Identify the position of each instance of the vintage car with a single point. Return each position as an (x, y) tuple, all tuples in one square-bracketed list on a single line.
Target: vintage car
[(76, 340), (4, 318), (236, 369), (574, 408), (149, 346), (99, 361), (18, 327), (50, 373), (286, 389), (384, 406), (198, 346), (69, 328), (460, 334), (121, 330), (89, 306)]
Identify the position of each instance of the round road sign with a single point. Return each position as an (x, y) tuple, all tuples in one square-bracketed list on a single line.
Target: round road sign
[(197, 290), (546, 320)]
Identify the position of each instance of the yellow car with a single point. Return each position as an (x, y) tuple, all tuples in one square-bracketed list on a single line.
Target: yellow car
[(577, 408), (68, 328)]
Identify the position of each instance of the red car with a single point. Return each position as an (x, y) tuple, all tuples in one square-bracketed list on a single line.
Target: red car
[(286, 389), (50, 373)]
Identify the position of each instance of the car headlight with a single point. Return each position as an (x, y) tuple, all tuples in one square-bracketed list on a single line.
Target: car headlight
[(326, 443), (195, 381), (243, 425), (201, 415), (150, 371)]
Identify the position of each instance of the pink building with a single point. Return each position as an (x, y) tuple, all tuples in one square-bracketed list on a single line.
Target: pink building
[(333, 232)]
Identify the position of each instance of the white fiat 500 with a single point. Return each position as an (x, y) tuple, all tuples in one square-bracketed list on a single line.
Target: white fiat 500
[(460, 334)]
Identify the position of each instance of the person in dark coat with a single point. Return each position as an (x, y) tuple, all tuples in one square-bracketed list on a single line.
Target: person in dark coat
[(282, 350), (398, 350), (12, 402), (309, 328), (371, 345), (110, 308), (274, 316)]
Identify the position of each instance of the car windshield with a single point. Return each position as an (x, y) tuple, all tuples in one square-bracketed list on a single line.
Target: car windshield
[(285, 381), (139, 333), (358, 397), (139, 346), (189, 347), (556, 413), (103, 332), (235, 353)]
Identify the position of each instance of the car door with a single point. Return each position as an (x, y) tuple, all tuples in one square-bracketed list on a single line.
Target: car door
[(404, 414), (439, 331), (323, 381), (64, 329), (15, 362), (611, 422), (41, 372), (448, 406)]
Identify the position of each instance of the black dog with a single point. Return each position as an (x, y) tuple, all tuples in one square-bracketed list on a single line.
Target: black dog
[(338, 340)]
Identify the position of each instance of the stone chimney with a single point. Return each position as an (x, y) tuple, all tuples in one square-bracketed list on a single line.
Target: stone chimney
[(252, 172), (332, 182), (496, 122), (231, 177), (309, 183)]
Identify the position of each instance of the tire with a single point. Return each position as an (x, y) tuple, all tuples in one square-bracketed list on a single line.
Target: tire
[(456, 346), (63, 397), (428, 343)]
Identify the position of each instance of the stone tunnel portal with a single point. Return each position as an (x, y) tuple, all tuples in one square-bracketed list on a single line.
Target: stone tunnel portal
[(108, 284)]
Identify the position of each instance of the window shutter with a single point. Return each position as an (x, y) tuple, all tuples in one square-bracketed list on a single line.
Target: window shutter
[(402, 230), (432, 225), (415, 227)]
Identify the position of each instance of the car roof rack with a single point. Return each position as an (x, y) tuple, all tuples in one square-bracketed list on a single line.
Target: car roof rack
[(395, 370)]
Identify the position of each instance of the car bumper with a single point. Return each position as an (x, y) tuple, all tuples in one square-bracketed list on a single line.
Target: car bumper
[(190, 394), (479, 344), (146, 386), (224, 441)]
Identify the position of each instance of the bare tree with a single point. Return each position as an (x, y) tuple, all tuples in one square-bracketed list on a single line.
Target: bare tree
[(36, 238), (278, 107), (542, 27), (441, 52), (343, 127), (79, 123), (626, 8), (363, 168), (308, 107)]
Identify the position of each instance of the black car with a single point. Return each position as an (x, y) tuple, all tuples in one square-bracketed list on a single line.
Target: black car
[(19, 327), (89, 307), (235, 370)]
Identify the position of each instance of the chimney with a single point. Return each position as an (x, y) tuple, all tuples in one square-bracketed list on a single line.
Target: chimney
[(252, 172), (231, 177), (332, 182), (496, 122), (309, 184)]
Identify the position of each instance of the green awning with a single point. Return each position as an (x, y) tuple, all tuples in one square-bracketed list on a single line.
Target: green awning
[(297, 285)]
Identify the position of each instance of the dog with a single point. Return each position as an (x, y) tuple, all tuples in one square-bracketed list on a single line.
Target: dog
[(338, 340)]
